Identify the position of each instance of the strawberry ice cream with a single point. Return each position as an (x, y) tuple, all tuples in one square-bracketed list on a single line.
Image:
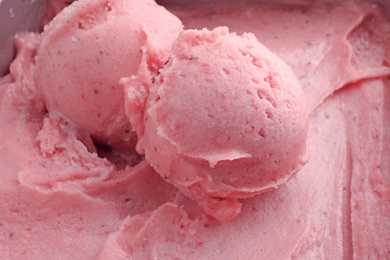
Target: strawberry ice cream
[(225, 119), (88, 47), (67, 196)]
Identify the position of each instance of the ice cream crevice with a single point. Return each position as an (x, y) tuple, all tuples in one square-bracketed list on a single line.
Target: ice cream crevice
[(266, 95), (346, 209), (361, 75)]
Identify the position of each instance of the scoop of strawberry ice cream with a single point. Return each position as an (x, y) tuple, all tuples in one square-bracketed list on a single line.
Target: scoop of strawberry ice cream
[(85, 51), (225, 119)]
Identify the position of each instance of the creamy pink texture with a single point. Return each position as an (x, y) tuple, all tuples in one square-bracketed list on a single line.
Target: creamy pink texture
[(225, 119), (60, 201), (88, 47)]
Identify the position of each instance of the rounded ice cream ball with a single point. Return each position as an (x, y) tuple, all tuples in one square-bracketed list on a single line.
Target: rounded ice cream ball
[(85, 51), (225, 119)]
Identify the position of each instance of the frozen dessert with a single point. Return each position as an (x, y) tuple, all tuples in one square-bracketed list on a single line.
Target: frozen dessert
[(68, 192), (225, 119), (88, 47)]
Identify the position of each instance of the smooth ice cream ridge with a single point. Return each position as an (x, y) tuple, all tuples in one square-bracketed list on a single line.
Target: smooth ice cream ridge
[(225, 119)]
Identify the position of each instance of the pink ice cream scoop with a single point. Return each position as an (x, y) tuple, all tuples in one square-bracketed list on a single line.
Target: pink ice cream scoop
[(225, 119), (85, 51)]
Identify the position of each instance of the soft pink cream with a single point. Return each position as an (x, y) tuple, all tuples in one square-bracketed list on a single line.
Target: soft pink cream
[(88, 47), (61, 201), (225, 119)]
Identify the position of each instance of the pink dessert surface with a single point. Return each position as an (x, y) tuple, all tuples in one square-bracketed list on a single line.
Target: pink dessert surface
[(88, 47), (225, 119), (68, 193)]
